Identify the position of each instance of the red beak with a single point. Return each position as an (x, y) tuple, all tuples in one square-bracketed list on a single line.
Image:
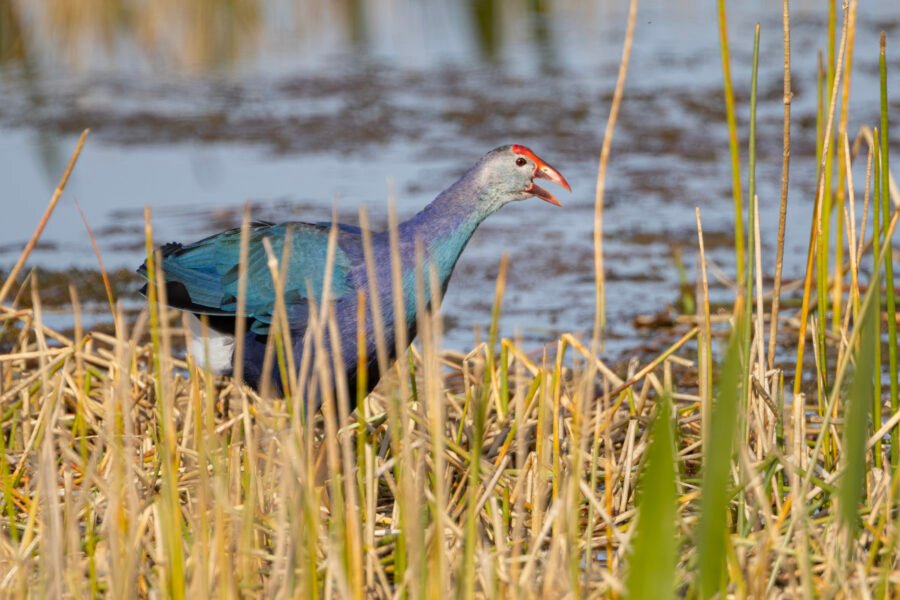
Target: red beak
[(545, 171), (542, 170)]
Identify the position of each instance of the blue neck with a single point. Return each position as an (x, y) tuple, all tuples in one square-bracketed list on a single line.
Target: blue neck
[(443, 228)]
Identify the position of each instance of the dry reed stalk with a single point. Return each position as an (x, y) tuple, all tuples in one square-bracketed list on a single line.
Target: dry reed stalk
[(33, 240), (760, 366), (600, 189), (96, 247), (655, 362), (240, 324), (788, 95)]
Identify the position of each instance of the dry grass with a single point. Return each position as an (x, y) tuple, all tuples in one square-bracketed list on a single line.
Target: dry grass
[(123, 472), (88, 454)]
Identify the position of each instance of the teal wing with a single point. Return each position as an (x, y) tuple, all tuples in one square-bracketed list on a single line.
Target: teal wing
[(203, 277)]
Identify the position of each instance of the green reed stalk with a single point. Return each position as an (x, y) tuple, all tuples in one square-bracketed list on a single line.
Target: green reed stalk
[(888, 258), (751, 262), (751, 190), (504, 381), (827, 201), (822, 242), (876, 283), (815, 229), (820, 111), (732, 143)]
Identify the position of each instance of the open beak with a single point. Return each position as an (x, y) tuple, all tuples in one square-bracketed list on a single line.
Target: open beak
[(545, 171)]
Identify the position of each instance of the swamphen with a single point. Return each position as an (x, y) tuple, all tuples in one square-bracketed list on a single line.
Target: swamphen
[(202, 277)]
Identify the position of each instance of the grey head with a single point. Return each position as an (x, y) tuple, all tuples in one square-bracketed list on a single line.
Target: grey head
[(506, 174)]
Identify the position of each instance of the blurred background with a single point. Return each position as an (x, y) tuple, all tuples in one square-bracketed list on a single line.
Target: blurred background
[(197, 107)]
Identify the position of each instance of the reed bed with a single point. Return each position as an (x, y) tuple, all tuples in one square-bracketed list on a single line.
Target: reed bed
[(709, 470)]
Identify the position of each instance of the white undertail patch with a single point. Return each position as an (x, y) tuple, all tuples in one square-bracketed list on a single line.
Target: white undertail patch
[(215, 352)]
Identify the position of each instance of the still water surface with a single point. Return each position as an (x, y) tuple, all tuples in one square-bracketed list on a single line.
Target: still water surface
[(197, 108)]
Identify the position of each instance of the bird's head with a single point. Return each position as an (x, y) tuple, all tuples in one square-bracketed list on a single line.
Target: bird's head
[(509, 173)]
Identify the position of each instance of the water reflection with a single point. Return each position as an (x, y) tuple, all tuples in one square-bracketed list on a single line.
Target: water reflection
[(542, 35), (355, 18), (15, 49), (209, 35), (12, 38), (191, 36), (484, 21)]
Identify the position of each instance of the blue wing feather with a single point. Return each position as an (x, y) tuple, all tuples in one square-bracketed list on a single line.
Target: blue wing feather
[(353, 229), (208, 271)]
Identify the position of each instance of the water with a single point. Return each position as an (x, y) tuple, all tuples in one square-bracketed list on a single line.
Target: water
[(300, 106)]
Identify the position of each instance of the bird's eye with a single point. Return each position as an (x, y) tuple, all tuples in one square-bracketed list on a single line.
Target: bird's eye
[(521, 162)]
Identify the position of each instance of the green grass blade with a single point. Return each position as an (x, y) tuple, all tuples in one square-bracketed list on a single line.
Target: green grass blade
[(888, 259), (711, 531), (856, 419), (732, 143), (747, 317), (875, 338), (651, 572)]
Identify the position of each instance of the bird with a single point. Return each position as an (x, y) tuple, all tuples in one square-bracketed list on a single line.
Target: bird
[(201, 278)]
